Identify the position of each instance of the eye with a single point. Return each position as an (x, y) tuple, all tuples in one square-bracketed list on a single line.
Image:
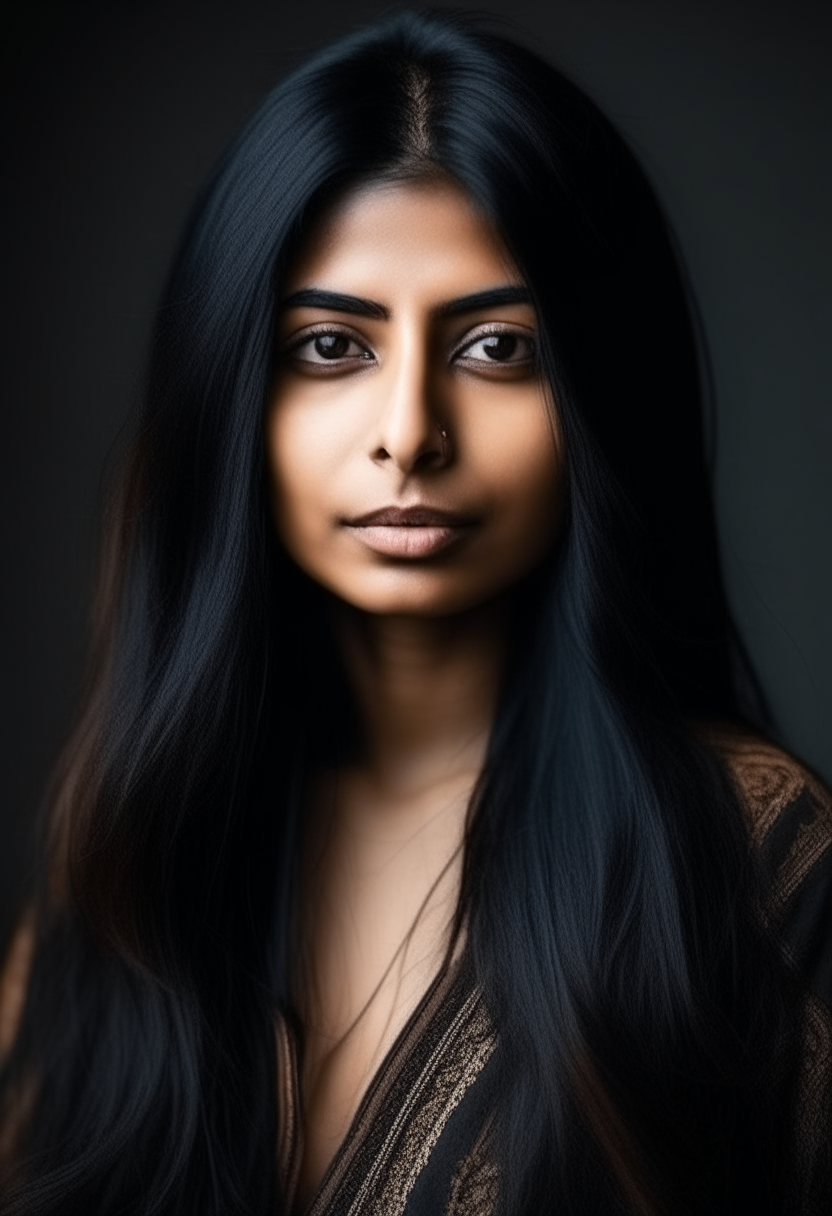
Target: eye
[(497, 347), (328, 346)]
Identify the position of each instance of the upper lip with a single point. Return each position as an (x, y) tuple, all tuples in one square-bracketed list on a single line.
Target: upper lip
[(411, 517)]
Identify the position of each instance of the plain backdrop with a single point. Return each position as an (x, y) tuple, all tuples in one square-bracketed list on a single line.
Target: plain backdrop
[(114, 113)]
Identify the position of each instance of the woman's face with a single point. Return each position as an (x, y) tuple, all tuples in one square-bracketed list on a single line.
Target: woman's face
[(415, 460)]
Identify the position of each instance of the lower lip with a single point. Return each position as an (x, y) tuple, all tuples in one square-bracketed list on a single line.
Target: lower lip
[(411, 541)]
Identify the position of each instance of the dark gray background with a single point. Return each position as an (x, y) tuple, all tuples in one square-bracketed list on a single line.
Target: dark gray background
[(114, 113)]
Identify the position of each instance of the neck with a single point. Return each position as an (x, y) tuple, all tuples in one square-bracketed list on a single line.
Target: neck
[(426, 690)]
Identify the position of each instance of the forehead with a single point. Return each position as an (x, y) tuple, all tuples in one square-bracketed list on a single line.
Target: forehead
[(426, 235)]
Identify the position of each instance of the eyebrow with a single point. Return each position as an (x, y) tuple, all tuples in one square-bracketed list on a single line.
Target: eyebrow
[(494, 297), (336, 301)]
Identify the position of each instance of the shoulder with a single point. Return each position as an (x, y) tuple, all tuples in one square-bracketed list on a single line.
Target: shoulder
[(769, 781), (788, 810)]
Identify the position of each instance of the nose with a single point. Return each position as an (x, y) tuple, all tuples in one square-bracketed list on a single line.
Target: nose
[(410, 433)]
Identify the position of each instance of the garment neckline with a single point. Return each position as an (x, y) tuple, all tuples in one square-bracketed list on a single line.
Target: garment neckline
[(454, 980)]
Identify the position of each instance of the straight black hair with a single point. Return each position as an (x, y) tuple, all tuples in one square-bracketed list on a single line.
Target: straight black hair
[(647, 1029)]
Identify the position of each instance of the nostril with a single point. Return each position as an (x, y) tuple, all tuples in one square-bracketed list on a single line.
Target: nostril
[(429, 460)]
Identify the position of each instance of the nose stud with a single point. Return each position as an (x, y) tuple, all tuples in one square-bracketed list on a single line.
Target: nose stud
[(443, 435)]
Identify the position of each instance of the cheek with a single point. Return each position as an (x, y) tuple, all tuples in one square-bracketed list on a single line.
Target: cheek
[(312, 435), (526, 472), (300, 454), (536, 516)]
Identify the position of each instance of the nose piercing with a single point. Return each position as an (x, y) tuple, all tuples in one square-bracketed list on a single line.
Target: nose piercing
[(443, 435)]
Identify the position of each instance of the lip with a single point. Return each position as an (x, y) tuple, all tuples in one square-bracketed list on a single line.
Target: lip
[(411, 532)]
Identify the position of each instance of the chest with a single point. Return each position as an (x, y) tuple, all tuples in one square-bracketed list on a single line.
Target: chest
[(377, 916), (416, 1143)]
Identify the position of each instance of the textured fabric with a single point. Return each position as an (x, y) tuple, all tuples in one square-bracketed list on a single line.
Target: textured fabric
[(418, 1145), (407, 1110), (790, 820)]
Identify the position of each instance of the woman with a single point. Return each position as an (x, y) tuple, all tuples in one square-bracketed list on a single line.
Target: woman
[(419, 766)]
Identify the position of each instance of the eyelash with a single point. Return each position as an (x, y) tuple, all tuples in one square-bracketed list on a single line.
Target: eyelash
[(498, 331), (329, 330)]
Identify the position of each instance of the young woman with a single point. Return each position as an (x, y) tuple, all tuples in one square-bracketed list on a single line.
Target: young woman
[(418, 849)]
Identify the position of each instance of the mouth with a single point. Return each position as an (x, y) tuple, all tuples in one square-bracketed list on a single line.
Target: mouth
[(411, 532)]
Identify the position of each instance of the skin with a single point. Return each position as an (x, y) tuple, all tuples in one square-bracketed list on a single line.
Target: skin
[(429, 401)]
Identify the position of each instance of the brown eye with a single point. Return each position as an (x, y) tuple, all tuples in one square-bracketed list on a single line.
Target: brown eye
[(329, 346), (500, 346), (332, 346)]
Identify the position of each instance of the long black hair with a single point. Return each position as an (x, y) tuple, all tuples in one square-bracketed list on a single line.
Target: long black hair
[(646, 1028)]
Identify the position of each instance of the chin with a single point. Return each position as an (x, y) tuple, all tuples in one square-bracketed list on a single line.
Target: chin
[(410, 593)]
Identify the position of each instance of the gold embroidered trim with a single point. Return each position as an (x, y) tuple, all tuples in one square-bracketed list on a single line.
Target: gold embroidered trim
[(422, 1080), (811, 842), (813, 1149), (455, 1064), (475, 1182), (768, 780)]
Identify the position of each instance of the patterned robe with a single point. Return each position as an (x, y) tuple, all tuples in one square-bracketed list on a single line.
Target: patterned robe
[(418, 1145)]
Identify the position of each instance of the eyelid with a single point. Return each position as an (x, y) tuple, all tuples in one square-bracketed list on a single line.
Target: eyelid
[(487, 329), (307, 332), (470, 337), (316, 328)]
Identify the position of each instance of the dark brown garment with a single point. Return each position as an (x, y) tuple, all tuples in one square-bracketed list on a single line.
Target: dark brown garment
[(418, 1145), (416, 1142)]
